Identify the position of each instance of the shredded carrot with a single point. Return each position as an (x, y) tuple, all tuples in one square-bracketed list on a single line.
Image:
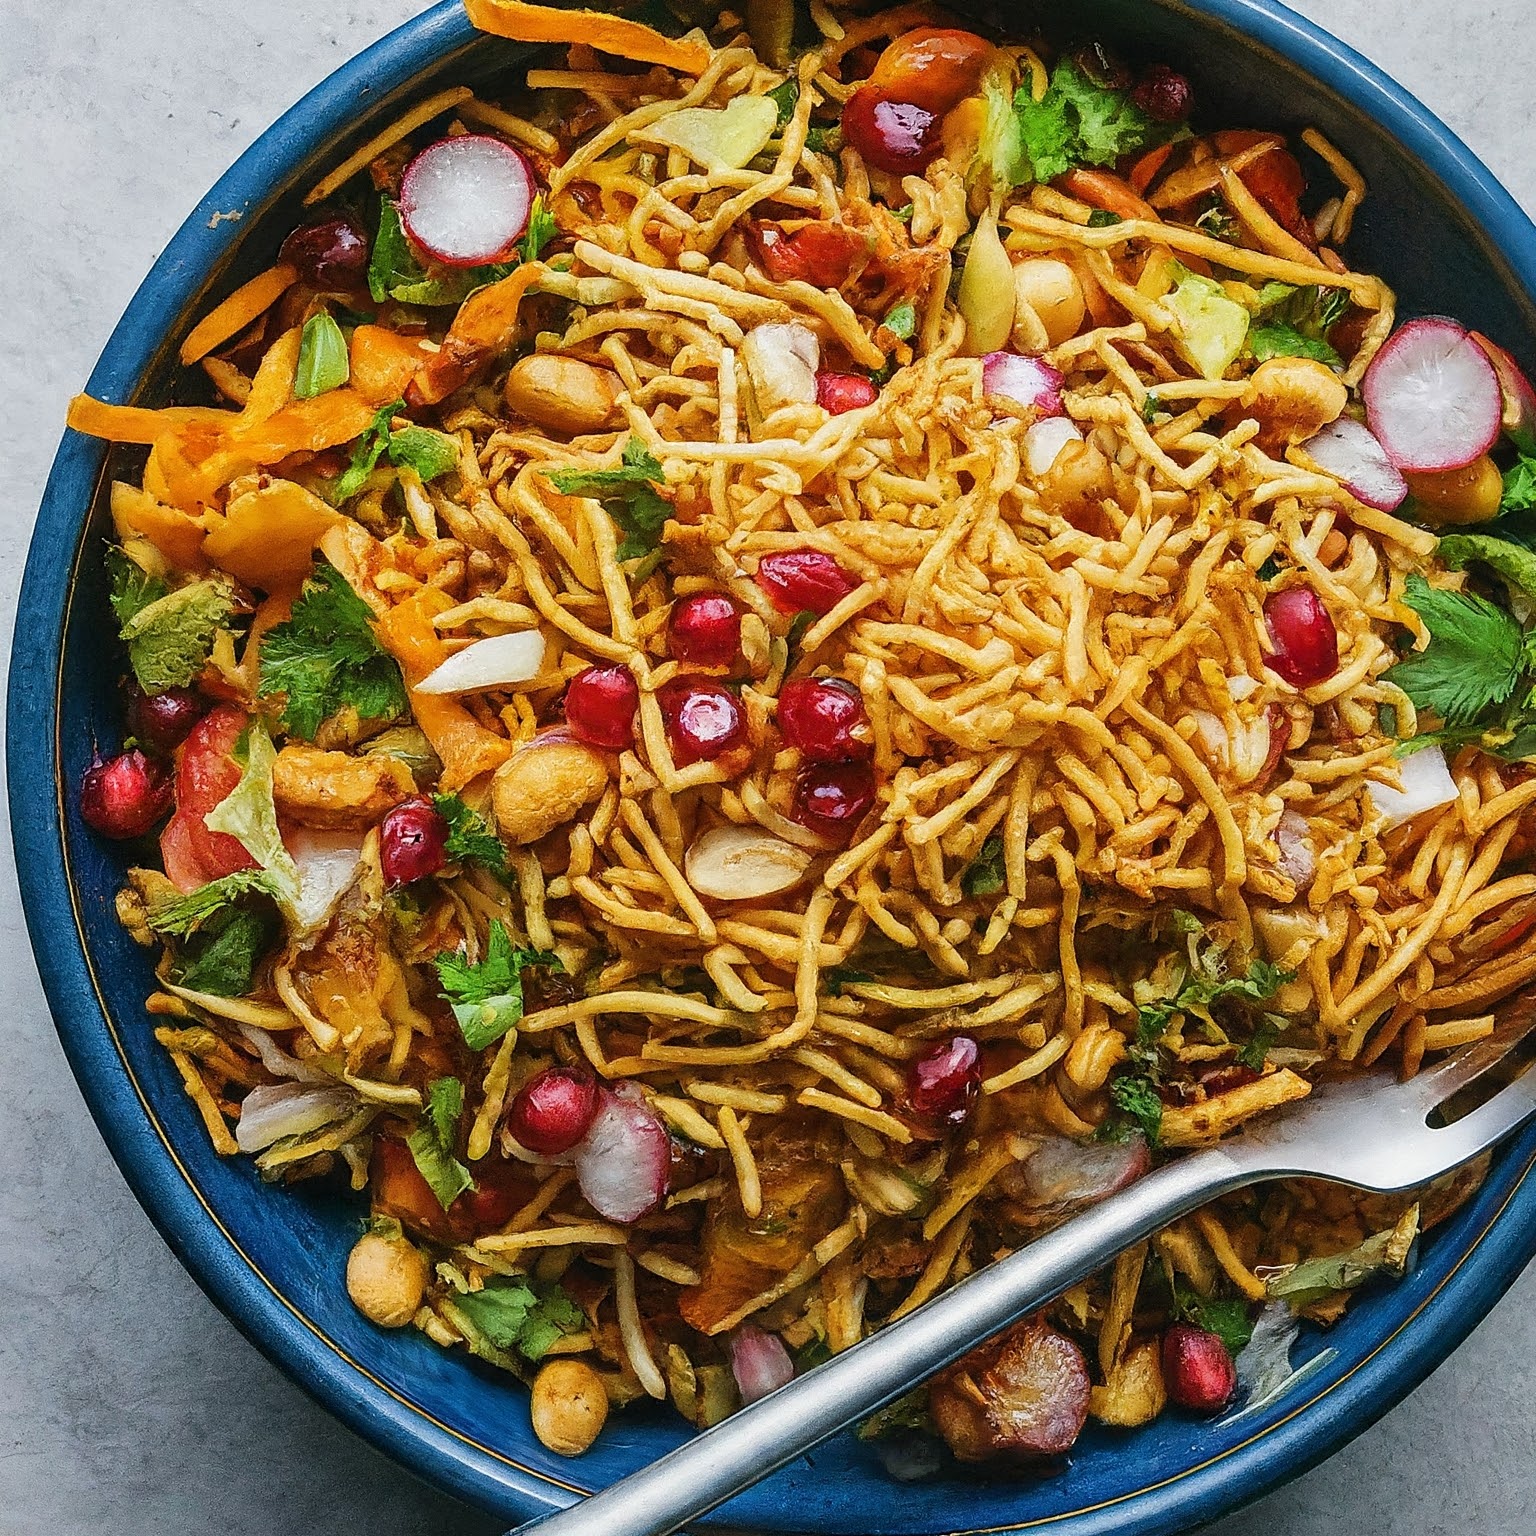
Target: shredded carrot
[(237, 311), (135, 423), (466, 748), (484, 326), (176, 534), (608, 34), (1103, 189), (383, 363), (1146, 168), (267, 536), (308, 426)]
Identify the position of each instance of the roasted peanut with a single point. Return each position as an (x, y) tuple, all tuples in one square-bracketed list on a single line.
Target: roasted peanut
[(543, 785), (1468, 495), (386, 1279), (563, 394), (1292, 398), (1047, 290), (1076, 485), (569, 1406)]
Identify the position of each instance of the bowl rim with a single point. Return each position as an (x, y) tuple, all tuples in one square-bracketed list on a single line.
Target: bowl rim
[(142, 1148)]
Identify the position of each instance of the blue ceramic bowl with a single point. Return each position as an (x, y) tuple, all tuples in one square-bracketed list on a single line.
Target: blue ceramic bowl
[(1442, 232)]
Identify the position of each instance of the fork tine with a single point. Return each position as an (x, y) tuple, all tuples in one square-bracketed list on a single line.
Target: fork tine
[(1489, 1122), (1443, 1079)]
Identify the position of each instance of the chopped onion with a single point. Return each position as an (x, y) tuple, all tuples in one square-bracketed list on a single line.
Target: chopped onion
[(759, 1362), (1027, 381), (781, 361), (498, 662), (623, 1160), (1045, 440), (278, 1062), (1264, 1363), (1427, 783), (743, 864), (327, 863), (275, 1110), (1298, 858), (1349, 451), (1064, 1172)]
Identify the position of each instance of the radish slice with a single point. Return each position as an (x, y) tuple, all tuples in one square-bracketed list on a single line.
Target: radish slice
[(498, 662), (466, 200), (759, 1362), (1349, 451), (1028, 381), (1519, 396), (1045, 440), (622, 1162), (1298, 858), (1427, 784), (1432, 397), (1064, 1172)]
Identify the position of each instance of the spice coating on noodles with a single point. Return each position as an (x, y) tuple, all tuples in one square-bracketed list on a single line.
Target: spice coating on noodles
[(832, 667)]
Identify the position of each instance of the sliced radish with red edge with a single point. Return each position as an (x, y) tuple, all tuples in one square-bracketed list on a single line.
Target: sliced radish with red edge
[(1348, 450), (1027, 381), (623, 1160), (466, 200), (1519, 395), (1432, 397)]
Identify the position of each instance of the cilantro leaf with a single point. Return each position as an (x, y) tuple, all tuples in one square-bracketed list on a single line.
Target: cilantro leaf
[(1520, 486), (169, 639), (839, 976), (222, 956), (323, 360), (1079, 123), (983, 876), (1136, 1097), (365, 455), (1280, 340), (1102, 218), (193, 911), (627, 496), (798, 625), (509, 1316), (542, 228), (326, 656), (1199, 993), (1474, 658), (431, 1143), (784, 98), (429, 453), (487, 998), (469, 835), (132, 587), (1228, 1319), (1254, 1052)]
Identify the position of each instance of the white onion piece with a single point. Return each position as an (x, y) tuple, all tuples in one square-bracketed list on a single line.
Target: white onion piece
[(1432, 397), (1264, 1362), (1427, 783), (623, 1160), (1045, 440), (782, 361), (759, 1362), (743, 864), (327, 863), (278, 1062), (1298, 858), (1027, 381), (1063, 1172), (1211, 736), (502, 661), (275, 1110), (466, 200), (1348, 450)]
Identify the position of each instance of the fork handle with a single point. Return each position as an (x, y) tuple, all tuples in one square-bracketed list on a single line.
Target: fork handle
[(746, 1447)]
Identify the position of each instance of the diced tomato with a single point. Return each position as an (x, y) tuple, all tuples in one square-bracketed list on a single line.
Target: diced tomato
[(823, 252), (1512, 935), (501, 1190), (205, 774), (1275, 178)]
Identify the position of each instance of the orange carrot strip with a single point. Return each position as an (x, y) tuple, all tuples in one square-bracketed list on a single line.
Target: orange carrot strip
[(466, 748), (176, 534), (307, 426), (1102, 189), (267, 536), (383, 363), (485, 325), (135, 423), (608, 34), (1146, 168), (238, 310)]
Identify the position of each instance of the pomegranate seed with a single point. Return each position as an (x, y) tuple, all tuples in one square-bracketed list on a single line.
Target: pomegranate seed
[(160, 722), (600, 706), (804, 581), (329, 254), (411, 841), (895, 136), (553, 1110), (942, 1084), (820, 718), (1197, 1369), (704, 721), (839, 392), (1164, 95), (833, 798), (705, 630), (126, 795), (1306, 643)]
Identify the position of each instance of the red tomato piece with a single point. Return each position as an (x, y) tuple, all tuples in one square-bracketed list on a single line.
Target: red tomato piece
[(205, 775)]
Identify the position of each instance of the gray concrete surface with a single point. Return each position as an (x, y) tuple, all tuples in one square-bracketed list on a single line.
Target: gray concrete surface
[(127, 1403)]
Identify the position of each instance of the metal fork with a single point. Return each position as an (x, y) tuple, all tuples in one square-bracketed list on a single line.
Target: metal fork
[(1367, 1131)]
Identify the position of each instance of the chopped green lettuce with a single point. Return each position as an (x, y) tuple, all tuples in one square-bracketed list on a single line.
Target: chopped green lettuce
[(432, 1142), (249, 815), (170, 638), (1212, 325), (324, 363), (1384, 1253), (508, 1318)]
